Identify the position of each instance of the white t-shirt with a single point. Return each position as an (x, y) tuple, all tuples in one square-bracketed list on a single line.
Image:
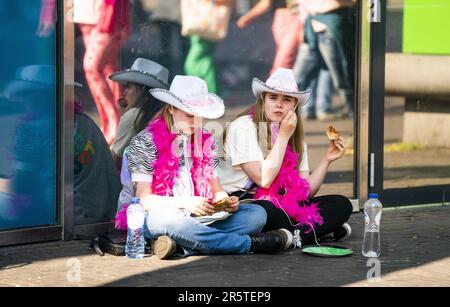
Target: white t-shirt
[(241, 146)]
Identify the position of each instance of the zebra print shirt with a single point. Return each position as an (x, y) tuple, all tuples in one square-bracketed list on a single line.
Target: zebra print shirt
[(142, 152)]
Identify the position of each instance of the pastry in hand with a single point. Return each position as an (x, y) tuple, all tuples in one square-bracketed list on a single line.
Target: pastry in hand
[(332, 133), (221, 204), (220, 201)]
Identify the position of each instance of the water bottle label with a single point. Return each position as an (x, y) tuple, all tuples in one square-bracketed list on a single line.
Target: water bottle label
[(378, 219), (135, 221)]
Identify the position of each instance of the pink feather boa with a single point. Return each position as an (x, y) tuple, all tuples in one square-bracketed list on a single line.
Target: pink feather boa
[(167, 163), (294, 201), (166, 166)]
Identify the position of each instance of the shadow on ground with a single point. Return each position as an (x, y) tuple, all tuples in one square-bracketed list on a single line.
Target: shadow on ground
[(27, 254), (410, 238)]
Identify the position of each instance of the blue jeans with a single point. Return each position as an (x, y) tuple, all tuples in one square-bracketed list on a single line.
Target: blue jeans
[(328, 55), (229, 236), (321, 95)]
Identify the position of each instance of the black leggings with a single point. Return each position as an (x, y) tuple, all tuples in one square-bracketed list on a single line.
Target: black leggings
[(334, 209)]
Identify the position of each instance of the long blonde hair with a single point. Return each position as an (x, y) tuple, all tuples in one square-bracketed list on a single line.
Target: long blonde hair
[(168, 117), (296, 140)]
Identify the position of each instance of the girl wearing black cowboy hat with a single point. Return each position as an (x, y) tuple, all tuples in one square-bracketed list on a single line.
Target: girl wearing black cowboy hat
[(137, 105)]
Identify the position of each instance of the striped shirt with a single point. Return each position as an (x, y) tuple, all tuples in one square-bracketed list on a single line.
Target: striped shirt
[(142, 152)]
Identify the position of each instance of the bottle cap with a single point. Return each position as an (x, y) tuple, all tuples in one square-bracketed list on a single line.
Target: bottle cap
[(373, 195)]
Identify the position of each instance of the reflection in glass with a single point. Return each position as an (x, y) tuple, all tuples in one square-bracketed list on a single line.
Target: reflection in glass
[(96, 182), (417, 108), (104, 26), (27, 115)]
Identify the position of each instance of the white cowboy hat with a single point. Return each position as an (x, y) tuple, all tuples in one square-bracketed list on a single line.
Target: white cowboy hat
[(282, 81), (143, 72), (190, 94)]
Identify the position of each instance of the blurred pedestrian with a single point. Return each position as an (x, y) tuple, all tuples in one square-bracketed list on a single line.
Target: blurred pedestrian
[(200, 60), (328, 43), (174, 47), (104, 25), (287, 29)]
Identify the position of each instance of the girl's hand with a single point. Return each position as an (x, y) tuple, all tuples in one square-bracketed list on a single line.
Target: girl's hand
[(218, 196), (288, 125), (335, 150), (234, 204), (199, 206)]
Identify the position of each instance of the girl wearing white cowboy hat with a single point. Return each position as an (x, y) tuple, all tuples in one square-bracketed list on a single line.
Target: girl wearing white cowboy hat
[(265, 150), (173, 168), (137, 105)]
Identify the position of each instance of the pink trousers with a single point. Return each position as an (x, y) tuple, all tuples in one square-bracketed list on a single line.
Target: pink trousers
[(100, 60), (287, 31)]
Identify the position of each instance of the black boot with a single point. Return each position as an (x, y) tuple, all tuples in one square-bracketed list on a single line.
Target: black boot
[(271, 242)]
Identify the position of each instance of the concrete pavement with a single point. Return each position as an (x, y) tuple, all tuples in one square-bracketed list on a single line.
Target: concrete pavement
[(415, 252)]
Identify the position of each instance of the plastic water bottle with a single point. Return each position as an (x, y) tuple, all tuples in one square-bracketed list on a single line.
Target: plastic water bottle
[(135, 246), (372, 214)]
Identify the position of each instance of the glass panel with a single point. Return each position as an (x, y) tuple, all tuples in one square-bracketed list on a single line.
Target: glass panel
[(100, 32), (27, 114), (153, 32), (417, 107), (329, 46)]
